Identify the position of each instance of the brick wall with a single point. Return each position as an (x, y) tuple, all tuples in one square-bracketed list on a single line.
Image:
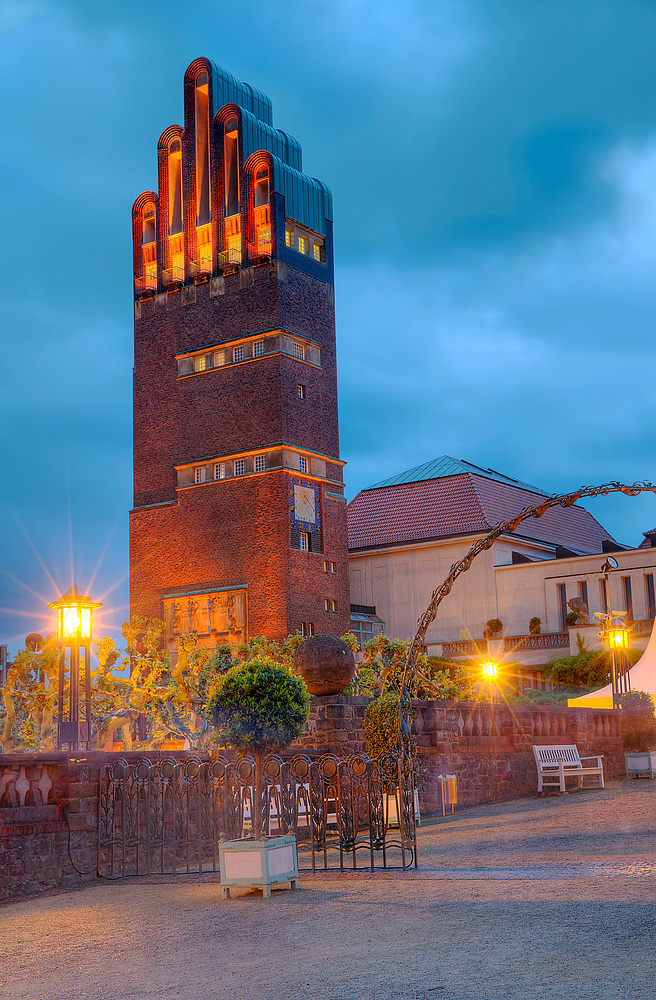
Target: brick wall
[(487, 747)]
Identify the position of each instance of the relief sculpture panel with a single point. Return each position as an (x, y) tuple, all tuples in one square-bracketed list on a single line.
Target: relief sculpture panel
[(218, 619)]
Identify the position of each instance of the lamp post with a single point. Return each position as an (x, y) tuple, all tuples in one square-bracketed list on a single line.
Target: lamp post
[(74, 631), (615, 634), (489, 673)]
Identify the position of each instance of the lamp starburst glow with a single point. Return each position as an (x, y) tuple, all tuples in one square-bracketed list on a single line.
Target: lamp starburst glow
[(74, 630)]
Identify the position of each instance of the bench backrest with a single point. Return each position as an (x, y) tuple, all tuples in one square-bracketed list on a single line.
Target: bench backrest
[(554, 754)]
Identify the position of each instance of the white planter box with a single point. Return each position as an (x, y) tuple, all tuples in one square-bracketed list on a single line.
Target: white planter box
[(258, 864), (641, 762)]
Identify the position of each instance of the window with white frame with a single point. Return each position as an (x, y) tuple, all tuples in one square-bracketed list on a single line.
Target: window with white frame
[(219, 470), (258, 348), (333, 567), (240, 467), (200, 363), (219, 359), (326, 565), (199, 474), (307, 629), (238, 353), (300, 391), (298, 350), (260, 463), (326, 605), (302, 463), (304, 541)]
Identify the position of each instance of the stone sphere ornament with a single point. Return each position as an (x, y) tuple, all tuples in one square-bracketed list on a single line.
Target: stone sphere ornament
[(325, 663)]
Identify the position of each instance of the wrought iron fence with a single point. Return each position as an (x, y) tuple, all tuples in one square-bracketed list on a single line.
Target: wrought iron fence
[(168, 816)]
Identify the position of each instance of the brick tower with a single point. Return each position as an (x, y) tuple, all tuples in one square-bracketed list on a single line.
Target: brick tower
[(239, 520)]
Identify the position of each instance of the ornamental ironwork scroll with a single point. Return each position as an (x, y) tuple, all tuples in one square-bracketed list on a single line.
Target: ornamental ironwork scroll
[(418, 645), (168, 816)]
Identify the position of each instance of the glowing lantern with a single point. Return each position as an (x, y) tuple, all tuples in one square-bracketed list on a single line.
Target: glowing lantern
[(74, 630)]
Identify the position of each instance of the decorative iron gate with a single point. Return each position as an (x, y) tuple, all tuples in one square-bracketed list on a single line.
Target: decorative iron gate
[(168, 816)]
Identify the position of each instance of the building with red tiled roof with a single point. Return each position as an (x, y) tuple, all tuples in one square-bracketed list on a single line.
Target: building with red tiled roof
[(406, 532)]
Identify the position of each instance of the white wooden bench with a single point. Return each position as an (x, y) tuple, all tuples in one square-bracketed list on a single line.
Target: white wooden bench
[(555, 763)]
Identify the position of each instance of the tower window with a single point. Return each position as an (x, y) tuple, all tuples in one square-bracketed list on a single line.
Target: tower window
[(260, 463), (307, 629), (231, 166), (304, 541), (289, 238), (302, 244), (219, 359), (333, 567), (302, 463), (200, 363), (258, 348), (199, 474), (261, 188), (202, 124), (149, 231), (326, 565), (240, 467), (298, 350), (219, 470), (238, 354), (175, 188), (333, 606), (319, 252), (300, 391)]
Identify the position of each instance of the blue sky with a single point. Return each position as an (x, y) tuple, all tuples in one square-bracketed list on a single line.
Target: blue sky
[(493, 166)]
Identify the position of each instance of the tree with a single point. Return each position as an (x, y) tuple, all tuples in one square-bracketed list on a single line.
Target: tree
[(259, 706)]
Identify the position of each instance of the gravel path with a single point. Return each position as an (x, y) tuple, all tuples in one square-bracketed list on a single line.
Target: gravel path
[(583, 927)]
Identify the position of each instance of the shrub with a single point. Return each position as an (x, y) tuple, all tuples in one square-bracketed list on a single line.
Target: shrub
[(637, 723), (494, 626), (571, 618), (585, 670), (259, 705), (381, 726), (535, 625)]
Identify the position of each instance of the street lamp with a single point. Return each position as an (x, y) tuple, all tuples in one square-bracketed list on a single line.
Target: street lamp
[(489, 673), (74, 631), (615, 634)]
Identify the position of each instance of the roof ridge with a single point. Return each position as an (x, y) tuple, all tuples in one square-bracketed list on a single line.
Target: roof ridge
[(480, 500)]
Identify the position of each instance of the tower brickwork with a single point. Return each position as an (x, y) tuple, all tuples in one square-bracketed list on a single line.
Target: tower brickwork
[(239, 520)]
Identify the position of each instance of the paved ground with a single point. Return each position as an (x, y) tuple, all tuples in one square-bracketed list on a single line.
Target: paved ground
[(527, 900)]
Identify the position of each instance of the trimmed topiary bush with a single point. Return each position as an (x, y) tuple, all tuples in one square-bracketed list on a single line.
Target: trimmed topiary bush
[(494, 626), (381, 727), (535, 625), (259, 706)]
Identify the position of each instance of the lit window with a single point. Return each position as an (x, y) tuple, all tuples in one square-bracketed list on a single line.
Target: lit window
[(302, 244), (300, 391), (258, 348), (200, 363), (317, 251), (304, 541), (302, 463), (219, 359), (260, 463), (333, 567), (219, 470), (325, 565), (240, 467), (298, 351), (199, 474), (289, 238), (238, 354)]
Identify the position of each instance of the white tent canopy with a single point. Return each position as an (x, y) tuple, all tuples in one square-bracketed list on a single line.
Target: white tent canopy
[(642, 675)]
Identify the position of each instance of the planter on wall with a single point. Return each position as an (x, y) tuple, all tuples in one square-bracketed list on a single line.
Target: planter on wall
[(640, 762), (258, 864)]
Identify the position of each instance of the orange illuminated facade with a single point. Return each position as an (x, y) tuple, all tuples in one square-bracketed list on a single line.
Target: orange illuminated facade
[(238, 485)]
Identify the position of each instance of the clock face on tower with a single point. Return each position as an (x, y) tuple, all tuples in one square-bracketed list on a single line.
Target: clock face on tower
[(305, 507), (304, 504)]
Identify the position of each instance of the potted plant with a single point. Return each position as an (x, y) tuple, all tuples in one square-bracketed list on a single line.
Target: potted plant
[(638, 732), (258, 706)]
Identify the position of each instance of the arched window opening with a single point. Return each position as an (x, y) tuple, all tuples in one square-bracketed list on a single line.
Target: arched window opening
[(175, 272), (203, 207), (232, 204), (262, 212), (149, 246)]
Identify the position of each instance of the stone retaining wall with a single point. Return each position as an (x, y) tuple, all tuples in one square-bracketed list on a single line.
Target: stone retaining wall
[(47, 798), (487, 747)]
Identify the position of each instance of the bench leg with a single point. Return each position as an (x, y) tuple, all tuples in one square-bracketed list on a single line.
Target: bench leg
[(561, 772)]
